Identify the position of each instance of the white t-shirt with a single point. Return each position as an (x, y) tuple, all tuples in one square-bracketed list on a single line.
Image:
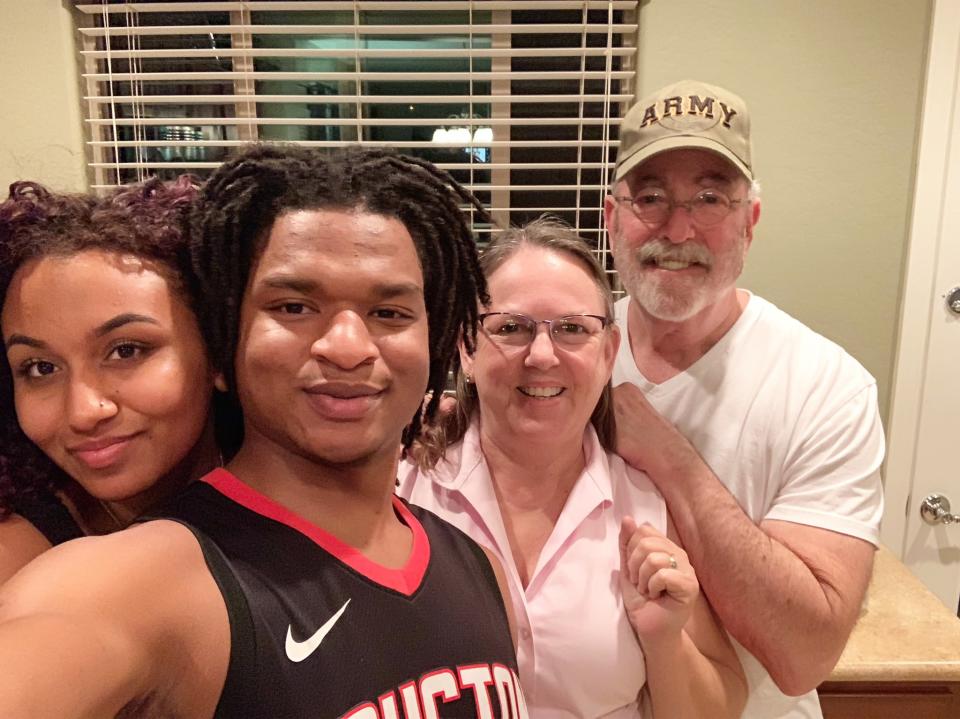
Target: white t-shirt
[(788, 421), (578, 655)]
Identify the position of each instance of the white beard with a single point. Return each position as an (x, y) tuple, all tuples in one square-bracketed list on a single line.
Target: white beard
[(677, 301)]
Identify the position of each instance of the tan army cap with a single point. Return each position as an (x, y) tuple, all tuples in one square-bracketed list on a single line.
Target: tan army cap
[(683, 115)]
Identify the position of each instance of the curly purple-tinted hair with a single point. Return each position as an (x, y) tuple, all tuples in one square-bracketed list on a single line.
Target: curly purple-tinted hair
[(145, 220)]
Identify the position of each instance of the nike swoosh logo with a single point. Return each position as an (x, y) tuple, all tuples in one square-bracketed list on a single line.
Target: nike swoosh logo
[(298, 651)]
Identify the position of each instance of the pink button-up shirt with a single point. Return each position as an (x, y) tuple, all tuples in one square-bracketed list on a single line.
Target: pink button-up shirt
[(577, 652)]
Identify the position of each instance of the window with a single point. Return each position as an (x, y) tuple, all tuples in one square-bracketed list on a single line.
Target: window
[(518, 100)]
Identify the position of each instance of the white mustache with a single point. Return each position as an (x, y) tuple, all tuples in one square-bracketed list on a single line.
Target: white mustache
[(661, 249)]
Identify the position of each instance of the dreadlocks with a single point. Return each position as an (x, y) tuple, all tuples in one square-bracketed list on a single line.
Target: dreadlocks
[(244, 197)]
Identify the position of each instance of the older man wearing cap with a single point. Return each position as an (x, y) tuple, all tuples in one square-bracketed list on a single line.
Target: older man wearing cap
[(763, 436)]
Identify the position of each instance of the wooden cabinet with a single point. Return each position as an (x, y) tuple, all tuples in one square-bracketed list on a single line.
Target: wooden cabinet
[(903, 658), (890, 700)]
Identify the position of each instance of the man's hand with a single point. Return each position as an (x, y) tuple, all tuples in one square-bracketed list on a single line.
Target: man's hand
[(646, 440), (658, 585)]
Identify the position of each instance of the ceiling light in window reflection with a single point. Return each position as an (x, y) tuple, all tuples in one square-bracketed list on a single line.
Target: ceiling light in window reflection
[(483, 134), (462, 135)]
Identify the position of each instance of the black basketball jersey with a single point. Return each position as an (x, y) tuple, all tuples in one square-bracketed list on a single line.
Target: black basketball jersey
[(318, 630)]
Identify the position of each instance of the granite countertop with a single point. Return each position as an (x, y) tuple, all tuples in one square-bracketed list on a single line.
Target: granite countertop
[(905, 634)]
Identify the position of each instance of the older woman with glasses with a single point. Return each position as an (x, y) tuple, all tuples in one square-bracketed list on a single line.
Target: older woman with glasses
[(611, 622)]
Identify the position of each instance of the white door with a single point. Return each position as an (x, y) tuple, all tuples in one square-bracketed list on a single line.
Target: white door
[(924, 429)]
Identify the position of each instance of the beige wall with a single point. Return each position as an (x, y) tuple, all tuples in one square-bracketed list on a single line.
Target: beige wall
[(40, 126), (834, 89)]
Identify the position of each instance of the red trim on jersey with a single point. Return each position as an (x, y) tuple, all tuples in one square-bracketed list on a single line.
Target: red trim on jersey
[(405, 580)]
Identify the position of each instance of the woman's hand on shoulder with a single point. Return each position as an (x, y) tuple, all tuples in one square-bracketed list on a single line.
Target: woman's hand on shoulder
[(658, 585)]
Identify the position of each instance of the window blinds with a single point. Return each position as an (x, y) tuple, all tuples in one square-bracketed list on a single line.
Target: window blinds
[(519, 100)]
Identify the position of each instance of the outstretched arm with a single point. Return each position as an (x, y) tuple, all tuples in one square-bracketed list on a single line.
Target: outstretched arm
[(98, 624), (790, 593), (692, 669), (65, 665)]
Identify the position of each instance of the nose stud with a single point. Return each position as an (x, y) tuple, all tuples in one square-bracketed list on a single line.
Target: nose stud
[(101, 404)]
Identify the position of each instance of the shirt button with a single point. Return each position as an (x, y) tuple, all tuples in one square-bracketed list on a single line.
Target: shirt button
[(525, 634)]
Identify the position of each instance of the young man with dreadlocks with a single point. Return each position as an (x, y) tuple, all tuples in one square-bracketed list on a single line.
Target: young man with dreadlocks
[(292, 583)]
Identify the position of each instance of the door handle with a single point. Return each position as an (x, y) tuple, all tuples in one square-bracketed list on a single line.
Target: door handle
[(935, 509), (953, 300)]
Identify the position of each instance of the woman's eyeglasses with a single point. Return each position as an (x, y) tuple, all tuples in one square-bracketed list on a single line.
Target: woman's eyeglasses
[(516, 330)]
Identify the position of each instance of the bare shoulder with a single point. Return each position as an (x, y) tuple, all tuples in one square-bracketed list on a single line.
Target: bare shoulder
[(115, 619), (127, 565), (20, 542)]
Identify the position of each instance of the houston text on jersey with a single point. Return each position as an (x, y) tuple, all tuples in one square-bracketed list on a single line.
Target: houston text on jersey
[(422, 699)]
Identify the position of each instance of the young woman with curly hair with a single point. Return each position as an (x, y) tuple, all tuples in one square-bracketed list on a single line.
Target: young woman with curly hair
[(105, 384)]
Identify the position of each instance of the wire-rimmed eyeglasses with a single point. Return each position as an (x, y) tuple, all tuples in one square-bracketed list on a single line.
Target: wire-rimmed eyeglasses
[(516, 330), (653, 206)]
